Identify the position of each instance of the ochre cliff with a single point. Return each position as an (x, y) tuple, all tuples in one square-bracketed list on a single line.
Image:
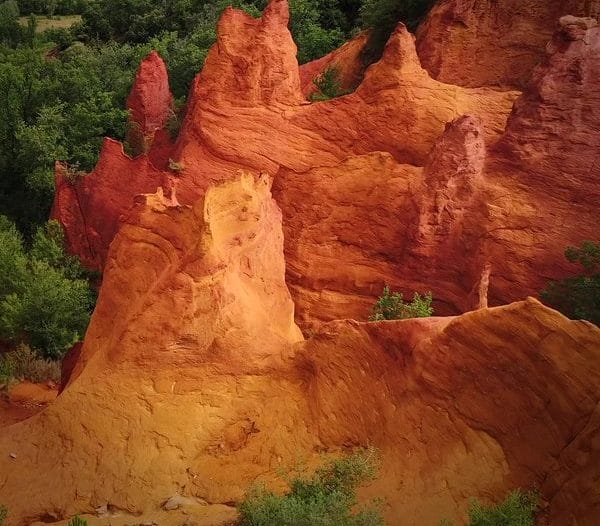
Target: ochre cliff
[(193, 380), (491, 42), (458, 214)]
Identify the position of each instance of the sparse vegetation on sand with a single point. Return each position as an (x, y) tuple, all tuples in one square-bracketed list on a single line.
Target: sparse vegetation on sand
[(328, 498)]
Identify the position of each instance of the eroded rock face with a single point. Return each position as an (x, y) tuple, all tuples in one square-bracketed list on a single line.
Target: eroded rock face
[(484, 43), (437, 212), (193, 380)]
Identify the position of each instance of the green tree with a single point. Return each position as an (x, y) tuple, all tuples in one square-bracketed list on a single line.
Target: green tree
[(10, 31), (578, 297), (381, 18), (391, 306), (45, 300)]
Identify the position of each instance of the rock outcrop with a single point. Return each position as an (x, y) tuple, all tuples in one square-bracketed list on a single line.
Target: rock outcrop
[(459, 209), (484, 43), (193, 380), (150, 106)]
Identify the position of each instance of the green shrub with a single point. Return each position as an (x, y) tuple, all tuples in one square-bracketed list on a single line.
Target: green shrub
[(3, 515), (518, 509), (328, 85), (578, 297), (326, 499), (391, 306)]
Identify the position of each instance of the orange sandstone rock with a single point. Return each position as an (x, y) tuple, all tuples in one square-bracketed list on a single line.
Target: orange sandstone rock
[(150, 105), (222, 391), (472, 43), (436, 211)]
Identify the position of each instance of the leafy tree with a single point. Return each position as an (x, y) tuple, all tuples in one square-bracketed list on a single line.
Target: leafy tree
[(45, 300), (391, 306), (10, 31), (312, 37), (326, 499), (578, 297)]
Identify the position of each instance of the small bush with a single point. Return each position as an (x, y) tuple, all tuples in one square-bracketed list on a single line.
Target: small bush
[(3, 515), (77, 521), (326, 499), (24, 364), (391, 306), (176, 114), (518, 509), (328, 85), (578, 297), (175, 166)]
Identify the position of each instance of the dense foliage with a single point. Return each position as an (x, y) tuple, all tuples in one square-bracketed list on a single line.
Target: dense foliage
[(578, 297), (45, 298), (328, 498), (382, 16), (391, 306)]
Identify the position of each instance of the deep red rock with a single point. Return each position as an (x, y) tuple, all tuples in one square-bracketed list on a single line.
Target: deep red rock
[(150, 106), (419, 218)]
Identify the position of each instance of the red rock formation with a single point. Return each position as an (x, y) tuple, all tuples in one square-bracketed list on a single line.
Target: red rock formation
[(222, 390), (474, 43), (392, 208), (150, 105), (90, 208)]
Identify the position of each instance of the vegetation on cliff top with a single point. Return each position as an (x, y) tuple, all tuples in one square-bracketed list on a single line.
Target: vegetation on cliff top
[(391, 306)]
